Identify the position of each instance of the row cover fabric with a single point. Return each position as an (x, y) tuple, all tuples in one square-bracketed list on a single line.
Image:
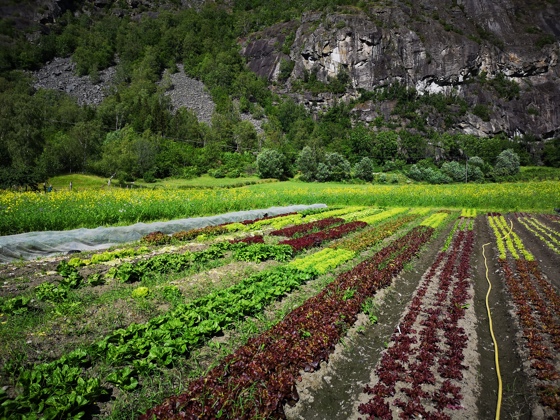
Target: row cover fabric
[(33, 245)]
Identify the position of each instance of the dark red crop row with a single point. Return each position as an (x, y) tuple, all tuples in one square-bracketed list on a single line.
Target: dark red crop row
[(538, 312), (260, 377), (291, 231), (257, 239), (316, 239), (410, 366)]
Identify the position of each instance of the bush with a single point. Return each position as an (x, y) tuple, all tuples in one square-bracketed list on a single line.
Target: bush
[(507, 163), (286, 67), (323, 173), (482, 111), (271, 164), (149, 177), (475, 173), (415, 173), (434, 176), (476, 161), (364, 169), (216, 173), (338, 166), (307, 164), (454, 170)]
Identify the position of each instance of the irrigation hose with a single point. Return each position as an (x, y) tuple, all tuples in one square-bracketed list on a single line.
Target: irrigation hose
[(496, 354)]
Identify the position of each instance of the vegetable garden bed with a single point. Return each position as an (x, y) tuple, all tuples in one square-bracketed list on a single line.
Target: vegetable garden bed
[(240, 320)]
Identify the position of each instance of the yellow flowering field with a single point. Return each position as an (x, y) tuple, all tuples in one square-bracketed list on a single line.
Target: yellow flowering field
[(25, 212)]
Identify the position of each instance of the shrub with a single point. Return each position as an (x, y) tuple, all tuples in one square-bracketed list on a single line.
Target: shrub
[(507, 163), (216, 173), (286, 67), (323, 173), (476, 161), (415, 173), (475, 173), (338, 166), (307, 164), (435, 176), (364, 169), (271, 164), (482, 111), (454, 170)]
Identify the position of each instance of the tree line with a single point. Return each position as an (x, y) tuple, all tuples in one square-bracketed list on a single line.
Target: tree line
[(134, 132)]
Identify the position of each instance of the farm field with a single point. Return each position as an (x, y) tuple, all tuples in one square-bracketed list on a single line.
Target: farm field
[(92, 207), (359, 310)]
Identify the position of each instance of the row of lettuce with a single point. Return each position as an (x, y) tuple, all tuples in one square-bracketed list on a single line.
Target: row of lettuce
[(420, 373), (537, 308), (66, 388)]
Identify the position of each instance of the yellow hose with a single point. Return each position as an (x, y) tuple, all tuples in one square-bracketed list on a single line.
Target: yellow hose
[(497, 362), (496, 354)]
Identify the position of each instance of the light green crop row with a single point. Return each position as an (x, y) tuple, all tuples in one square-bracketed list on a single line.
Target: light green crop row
[(376, 218), (435, 220), (420, 211), (544, 233), (513, 243), (359, 215), (468, 213), (324, 260)]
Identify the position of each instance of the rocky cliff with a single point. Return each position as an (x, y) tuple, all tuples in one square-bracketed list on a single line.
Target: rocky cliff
[(501, 57)]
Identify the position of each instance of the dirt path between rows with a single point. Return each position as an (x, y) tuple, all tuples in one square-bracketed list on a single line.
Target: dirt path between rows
[(516, 400)]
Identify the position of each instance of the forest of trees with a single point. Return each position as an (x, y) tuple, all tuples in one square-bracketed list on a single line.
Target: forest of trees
[(134, 134)]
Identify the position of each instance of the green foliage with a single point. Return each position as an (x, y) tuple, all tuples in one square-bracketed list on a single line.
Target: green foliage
[(286, 67), (551, 153), (307, 163), (546, 39), (505, 88), (271, 164), (454, 170), (338, 168), (364, 169), (481, 111), (123, 379), (140, 292), (428, 174), (14, 306), (507, 163), (262, 252), (49, 292), (54, 390)]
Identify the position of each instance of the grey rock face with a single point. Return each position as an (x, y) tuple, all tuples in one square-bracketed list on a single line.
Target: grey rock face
[(191, 94), (437, 47), (59, 75)]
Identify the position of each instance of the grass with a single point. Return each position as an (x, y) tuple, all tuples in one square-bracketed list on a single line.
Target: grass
[(204, 181), (519, 196), (96, 206), (79, 182), (86, 182)]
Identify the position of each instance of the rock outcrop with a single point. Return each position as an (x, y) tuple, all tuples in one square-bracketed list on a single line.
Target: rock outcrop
[(184, 91), (436, 47), (59, 74)]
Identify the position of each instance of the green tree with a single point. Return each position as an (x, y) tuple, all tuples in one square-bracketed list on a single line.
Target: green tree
[(507, 163), (271, 164), (338, 167), (307, 164), (364, 169)]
